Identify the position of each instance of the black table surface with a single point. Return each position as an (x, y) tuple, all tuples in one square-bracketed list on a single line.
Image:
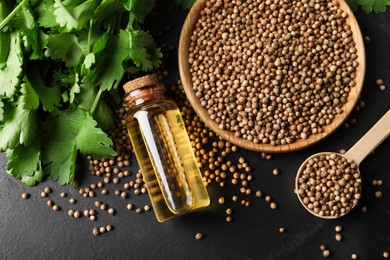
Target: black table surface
[(29, 229)]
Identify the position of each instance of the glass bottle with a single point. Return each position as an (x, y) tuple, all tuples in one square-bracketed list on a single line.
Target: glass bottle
[(163, 150)]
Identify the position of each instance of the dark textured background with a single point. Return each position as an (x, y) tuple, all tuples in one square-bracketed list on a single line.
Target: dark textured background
[(31, 230)]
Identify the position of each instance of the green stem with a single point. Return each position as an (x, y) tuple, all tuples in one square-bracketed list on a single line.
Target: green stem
[(96, 101), (89, 36), (12, 14)]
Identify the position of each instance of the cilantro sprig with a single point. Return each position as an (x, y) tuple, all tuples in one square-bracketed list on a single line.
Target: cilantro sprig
[(59, 61), (368, 6)]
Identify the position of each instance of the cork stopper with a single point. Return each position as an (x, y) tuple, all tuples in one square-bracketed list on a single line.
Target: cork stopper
[(143, 89), (141, 82)]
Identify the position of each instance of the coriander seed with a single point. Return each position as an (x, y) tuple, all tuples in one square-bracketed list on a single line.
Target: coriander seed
[(378, 194), (111, 211), (71, 213), (326, 253), (25, 195), (199, 236), (95, 231), (77, 214), (338, 228)]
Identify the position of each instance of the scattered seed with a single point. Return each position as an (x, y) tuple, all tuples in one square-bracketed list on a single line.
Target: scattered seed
[(221, 200), (138, 210), (259, 194), (273, 205), (130, 206), (86, 213), (338, 237), (77, 214), (56, 208), (98, 204), (379, 82), (92, 218), (25, 195), (102, 230), (72, 200), (275, 172), (50, 203), (378, 194), (268, 199), (43, 194), (229, 219), (229, 211), (124, 195), (338, 228), (95, 231), (63, 194), (282, 229), (111, 211), (385, 254), (71, 213), (322, 247), (354, 256), (199, 236), (104, 191), (146, 207), (47, 190), (364, 209), (103, 206), (108, 227), (326, 253)]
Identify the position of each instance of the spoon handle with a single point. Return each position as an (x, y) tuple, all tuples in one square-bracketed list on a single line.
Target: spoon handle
[(374, 137)]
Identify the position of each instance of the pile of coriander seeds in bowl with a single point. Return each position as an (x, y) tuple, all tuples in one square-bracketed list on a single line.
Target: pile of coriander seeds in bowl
[(272, 76)]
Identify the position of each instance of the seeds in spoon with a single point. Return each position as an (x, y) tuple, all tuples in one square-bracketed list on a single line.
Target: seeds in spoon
[(329, 185)]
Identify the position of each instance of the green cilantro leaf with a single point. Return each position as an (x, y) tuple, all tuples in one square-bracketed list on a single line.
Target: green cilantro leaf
[(377, 6), (45, 14), (50, 97), (5, 40), (73, 14), (64, 47), (25, 22), (143, 50), (1, 110), (29, 98), (106, 9), (18, 127), (353, 4), (109, 70), (25, 163), (103, 115), (10, 73), (75, 88), (70, 131), (139, 8)]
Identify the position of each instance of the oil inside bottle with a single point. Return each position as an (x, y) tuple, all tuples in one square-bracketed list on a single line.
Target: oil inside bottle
[(166, 159)]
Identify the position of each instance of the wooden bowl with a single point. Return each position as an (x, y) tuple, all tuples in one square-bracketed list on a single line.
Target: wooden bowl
[(184, 68)]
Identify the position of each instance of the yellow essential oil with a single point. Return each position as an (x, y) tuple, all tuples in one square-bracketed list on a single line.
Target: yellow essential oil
[(163, 150)]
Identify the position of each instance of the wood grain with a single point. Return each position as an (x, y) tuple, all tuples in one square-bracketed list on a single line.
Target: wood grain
[(184, 68)]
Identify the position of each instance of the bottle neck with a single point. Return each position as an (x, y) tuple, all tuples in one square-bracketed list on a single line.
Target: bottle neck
[(145, 95)]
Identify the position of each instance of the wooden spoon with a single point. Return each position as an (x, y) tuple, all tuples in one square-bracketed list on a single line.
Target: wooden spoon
[(374, 137)]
